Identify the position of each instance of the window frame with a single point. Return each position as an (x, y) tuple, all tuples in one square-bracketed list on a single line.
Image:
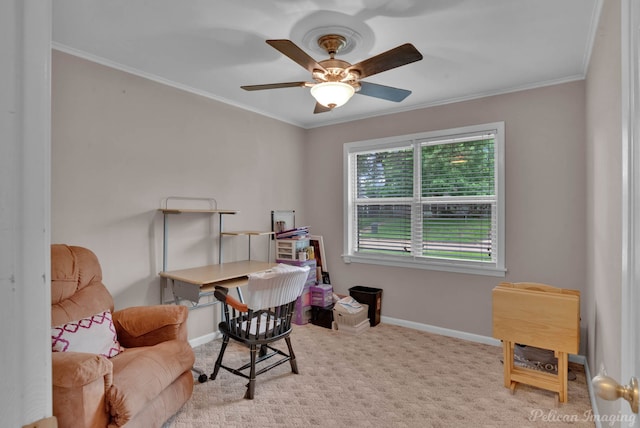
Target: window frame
[(470, 267)]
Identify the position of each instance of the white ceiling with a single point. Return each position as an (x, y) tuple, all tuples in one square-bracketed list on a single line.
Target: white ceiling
[(471, 48)]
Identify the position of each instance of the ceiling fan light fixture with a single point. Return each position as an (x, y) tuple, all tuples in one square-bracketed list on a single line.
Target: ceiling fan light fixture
[(332, 94)]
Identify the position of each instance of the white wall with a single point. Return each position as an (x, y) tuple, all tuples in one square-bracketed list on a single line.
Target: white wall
[(25, 303), (123, 143), (604, 203), (545, 204)]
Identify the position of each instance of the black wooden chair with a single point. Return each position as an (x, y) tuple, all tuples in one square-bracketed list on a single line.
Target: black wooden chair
[(264, 319)]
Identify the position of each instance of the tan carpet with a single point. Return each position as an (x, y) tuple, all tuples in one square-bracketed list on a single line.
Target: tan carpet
[(389, 376)]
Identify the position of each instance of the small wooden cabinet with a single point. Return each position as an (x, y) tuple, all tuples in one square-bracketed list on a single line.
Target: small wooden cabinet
[(542, 316)]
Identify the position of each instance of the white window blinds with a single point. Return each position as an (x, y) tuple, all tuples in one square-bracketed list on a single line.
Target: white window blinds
[(430, 199), (459, 198)]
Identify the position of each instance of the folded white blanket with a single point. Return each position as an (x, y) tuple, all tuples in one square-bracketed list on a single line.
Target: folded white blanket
[(348, 304), (277, 286)]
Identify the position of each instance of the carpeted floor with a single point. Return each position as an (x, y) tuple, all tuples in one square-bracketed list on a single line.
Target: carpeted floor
[(389, 376)]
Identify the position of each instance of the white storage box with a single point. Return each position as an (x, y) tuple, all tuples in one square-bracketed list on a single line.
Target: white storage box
[(354, 329), (345, 318), (288, 249)]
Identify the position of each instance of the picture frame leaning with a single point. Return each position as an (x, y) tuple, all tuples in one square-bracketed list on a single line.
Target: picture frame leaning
[(317, 243)]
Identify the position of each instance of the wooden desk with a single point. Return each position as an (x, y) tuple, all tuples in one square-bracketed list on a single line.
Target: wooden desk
[(194, 283)]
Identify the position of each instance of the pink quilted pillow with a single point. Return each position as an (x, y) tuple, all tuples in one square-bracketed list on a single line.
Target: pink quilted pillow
[(95, 335)]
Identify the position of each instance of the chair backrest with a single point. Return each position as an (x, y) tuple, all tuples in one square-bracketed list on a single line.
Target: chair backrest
[(277, 286), (77, 290)]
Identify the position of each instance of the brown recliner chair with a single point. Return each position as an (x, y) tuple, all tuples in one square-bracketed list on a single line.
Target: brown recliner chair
[(143, 385)]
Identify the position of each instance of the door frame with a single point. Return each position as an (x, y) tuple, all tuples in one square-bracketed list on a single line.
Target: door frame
[(630, 288)]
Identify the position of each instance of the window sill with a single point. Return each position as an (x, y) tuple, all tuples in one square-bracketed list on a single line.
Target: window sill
[(467, 268)]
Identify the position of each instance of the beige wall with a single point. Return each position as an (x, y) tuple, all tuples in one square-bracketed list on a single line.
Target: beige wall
[(545, 204), (604, 202), (122, 143)]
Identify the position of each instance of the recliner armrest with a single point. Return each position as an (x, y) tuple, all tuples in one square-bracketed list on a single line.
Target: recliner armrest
[(150, 325), (77, 369), (80, 383)]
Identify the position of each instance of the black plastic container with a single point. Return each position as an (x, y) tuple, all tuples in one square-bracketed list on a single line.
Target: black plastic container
[(370, 296), (322, 316)]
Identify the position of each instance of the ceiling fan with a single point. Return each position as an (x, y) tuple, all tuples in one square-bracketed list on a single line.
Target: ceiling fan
[(335, 81)]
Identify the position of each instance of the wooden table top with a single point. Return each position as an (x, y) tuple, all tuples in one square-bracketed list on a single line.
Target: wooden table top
[(203, 275)]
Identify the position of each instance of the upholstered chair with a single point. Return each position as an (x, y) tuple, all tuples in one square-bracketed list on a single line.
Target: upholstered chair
[(129, 368)]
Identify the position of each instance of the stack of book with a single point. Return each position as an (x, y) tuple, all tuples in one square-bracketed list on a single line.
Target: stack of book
[(295, 233)]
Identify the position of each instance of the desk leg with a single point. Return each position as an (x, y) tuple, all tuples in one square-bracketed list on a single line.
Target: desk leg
[(563, 369)]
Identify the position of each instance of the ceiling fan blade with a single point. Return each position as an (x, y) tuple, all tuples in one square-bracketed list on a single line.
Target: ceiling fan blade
[(290, 49), (273, 86), (320, 109), (385, 92), (396, 57)]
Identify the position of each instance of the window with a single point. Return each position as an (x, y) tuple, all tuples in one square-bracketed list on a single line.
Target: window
[(433, 200)]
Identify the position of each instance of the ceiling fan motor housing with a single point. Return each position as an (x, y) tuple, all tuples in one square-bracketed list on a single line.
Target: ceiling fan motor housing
[(332, 43), (335, 70)]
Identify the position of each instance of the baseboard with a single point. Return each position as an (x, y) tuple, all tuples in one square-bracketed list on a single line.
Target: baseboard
[(442, 331), (478, 338), (592, 394), (578, 359), (201, 340)]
